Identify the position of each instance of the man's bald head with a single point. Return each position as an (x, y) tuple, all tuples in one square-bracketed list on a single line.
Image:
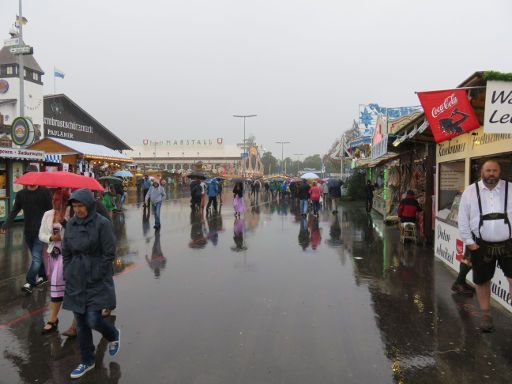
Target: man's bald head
[(490, 173)]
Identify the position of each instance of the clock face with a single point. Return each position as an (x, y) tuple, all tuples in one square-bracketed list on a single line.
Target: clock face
[(4, 86), (33, 103)]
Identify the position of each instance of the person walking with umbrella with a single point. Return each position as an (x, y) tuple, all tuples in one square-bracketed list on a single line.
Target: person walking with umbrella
[(314, 194), (51, 233), (213, 191), (34, 201), (335, 193), (238, 198), (303, 195), (88, 252)]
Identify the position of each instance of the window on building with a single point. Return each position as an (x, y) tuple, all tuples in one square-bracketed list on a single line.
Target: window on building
[(451, 186), (35, 76), (9, 70)]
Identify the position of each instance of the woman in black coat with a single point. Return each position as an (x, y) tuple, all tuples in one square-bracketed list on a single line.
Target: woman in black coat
[(88, 252)]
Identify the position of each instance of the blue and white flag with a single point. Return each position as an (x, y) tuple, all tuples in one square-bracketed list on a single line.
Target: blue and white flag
[(58, 73)]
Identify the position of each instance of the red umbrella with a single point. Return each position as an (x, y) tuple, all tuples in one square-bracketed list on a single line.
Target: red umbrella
[(59, 180)]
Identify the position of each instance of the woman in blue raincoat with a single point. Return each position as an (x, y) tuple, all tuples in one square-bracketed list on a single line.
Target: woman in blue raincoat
[(88, 250)]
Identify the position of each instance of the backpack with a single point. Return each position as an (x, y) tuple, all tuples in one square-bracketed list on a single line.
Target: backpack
[(213, 189), (196, 190), (314, 193)]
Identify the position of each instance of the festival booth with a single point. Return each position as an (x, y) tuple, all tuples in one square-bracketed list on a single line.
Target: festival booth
[(86, 158), (13, 162), (415, 171), (458, 163)]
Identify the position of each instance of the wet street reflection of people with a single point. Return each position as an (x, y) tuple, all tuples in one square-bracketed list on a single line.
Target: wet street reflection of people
[(197, 231), (315, 235), (146, 213), (304, 233), (157, 261), (238, 235), (214, 227), (335, 233)]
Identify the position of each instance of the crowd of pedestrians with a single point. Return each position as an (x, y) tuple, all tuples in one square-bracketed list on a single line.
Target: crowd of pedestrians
[(72, 248), (72, 243)]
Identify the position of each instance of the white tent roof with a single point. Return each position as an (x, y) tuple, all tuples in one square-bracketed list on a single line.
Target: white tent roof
[(91, 149)]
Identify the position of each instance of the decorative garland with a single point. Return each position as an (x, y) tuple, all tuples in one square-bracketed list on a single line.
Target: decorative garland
[(500, 76)]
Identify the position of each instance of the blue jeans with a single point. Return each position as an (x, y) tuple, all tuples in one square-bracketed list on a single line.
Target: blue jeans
[(316, 206), (156, 212), (303, 207), (85, 323), (36, 266)]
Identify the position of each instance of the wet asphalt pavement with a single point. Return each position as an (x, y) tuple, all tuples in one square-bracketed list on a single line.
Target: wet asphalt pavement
[(270, 298)]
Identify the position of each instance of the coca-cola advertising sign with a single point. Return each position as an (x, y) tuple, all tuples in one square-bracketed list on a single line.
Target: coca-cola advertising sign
[(449, 113), (459, 246)]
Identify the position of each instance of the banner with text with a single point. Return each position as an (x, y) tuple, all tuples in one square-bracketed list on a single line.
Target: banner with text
[(449, 113), (498, 107)]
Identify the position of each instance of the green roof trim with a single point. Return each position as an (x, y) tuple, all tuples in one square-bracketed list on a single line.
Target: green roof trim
[(500, 76)]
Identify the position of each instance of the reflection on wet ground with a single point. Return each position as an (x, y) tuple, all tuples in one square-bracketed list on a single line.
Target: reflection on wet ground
[(271, 297)]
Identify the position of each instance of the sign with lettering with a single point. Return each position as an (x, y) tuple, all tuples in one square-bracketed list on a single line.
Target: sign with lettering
[(182, 142), (498, 107), (25, 154), (64, 119), (449, 113), (452, 147)]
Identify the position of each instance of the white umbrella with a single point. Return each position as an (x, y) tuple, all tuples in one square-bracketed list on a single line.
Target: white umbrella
[(309, 175)]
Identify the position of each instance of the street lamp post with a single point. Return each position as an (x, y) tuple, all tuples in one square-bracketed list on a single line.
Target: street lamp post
[(243, 144), (282, 152), (298, 161)]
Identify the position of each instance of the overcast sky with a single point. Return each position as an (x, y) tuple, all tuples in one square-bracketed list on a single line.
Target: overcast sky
[(166, 69)]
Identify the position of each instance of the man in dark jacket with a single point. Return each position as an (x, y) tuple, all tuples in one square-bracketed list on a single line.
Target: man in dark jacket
[(335, 193), (196, 192), (88, 250), (303, 195), (369, 188), (34, 201)]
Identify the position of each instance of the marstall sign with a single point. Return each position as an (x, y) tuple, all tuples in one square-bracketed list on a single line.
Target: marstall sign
[(498, 107), (449, 113)]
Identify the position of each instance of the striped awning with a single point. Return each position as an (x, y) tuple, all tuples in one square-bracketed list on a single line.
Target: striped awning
[(53, 158)]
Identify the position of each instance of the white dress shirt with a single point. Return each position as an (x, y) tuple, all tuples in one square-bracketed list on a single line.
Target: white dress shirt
[(493, 201)]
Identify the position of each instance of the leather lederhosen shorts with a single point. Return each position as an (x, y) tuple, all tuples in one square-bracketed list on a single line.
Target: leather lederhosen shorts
[(484, 260)]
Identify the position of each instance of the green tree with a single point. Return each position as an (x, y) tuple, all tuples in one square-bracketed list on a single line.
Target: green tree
[(313, 161), (269, 163)]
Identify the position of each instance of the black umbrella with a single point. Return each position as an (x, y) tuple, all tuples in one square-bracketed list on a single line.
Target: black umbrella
[(197, 175), (334, 183), (111, 179)]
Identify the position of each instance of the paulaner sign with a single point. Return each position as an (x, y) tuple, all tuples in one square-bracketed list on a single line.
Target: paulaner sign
[(498, 107), (65, 119), (74, 126)]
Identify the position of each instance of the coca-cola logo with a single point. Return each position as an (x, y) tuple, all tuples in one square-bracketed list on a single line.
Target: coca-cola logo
[(460, 246), (448, 103)]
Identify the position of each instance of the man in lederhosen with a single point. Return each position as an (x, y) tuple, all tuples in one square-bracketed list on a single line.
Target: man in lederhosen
[(485, 227)]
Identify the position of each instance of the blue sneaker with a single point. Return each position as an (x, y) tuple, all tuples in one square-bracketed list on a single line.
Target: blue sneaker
[(81, 370), (114, 346)]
